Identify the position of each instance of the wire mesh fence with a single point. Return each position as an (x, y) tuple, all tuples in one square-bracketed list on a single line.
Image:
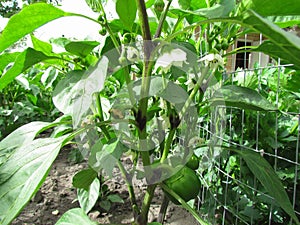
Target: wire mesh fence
[(231, 193)]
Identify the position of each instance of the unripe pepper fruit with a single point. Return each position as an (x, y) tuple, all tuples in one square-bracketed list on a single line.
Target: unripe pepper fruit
[(184, 183)]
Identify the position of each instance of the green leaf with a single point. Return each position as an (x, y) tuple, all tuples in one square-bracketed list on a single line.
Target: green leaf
[(95, 5), (219, 10), (75, 216), (7, 58), (41, 45), (81, 48), (269, 179), (149, 3), (88, 198), (25, 133), (106, 156), (126, 10), (23, 61), (19, 137), (241, 97), (275, 7), (192, 4), (282, 44), (73, 95), (285, 21), (23, 173), (105, 204), (174, 93), (84, 178), (115, 198), (30, 18), (184, 4)]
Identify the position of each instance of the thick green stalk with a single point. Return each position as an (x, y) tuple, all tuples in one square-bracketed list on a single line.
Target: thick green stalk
[(141, 115), (146, 204)]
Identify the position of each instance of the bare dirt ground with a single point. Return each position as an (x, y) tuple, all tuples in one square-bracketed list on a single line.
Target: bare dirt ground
[(57, 196)]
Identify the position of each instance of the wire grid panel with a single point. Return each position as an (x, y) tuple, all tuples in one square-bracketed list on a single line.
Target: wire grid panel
[(231, 194)]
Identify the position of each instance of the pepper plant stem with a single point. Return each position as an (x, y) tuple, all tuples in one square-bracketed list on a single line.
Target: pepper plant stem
[(162, 19), (120, 165)]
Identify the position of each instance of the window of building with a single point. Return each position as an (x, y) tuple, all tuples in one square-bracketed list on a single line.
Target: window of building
[(242, 59)]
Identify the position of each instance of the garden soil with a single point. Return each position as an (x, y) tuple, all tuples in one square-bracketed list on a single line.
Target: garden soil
[(56, 196)]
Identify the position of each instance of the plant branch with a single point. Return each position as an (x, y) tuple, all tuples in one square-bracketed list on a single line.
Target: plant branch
[(120, 165), (143, 20), (168, 145), (162, 19), (184, 204)]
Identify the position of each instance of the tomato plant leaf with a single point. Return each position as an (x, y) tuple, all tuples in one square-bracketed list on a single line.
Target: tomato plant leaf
[(23, 61), (126, 10), (241, 97), (88, 198), (81, 48), (269, 179), (26, 21), (73, 95), (84, 178), (75, 216), (23, 173)]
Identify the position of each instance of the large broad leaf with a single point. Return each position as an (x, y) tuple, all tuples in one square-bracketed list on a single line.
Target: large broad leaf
[(88, 198), (75, 216), (275, 7), (241, 97), (219, 10), (26, 21), (281, 43), (73, 95), (23, 173), (269, 179), (126, 10), (24, 60), (81, 48), (18, 137)]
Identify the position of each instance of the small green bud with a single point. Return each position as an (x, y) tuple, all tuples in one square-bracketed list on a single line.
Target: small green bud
[(103, 31), (159, 5)]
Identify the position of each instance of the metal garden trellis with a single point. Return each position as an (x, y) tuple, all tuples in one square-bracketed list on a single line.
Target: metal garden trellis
[(206, 133)]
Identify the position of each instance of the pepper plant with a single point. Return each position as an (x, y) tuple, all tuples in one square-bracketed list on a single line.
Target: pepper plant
[(140, 93)]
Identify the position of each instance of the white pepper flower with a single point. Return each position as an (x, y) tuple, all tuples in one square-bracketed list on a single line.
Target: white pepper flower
[(212, 60), (175, 57)]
